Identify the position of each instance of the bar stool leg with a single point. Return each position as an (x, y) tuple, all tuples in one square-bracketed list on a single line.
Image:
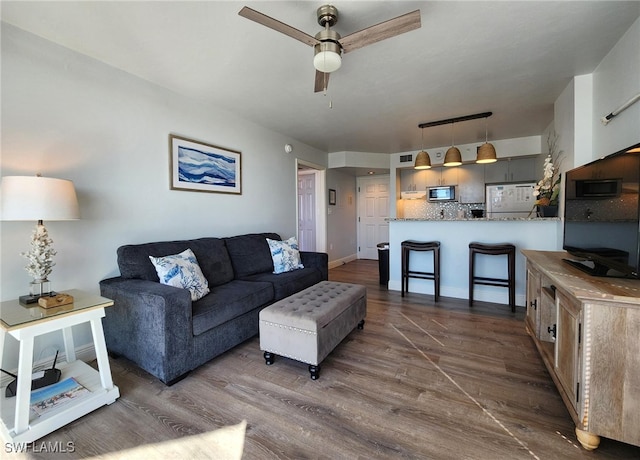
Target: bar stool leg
[(512, 281), (436, 272), (404, 269), (471, 274)]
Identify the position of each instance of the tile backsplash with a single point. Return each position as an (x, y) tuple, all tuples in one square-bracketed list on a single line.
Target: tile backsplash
[(422, 209)]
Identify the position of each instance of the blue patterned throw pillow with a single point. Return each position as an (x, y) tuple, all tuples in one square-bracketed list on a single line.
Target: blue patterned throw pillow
[(285, 255), (182, 270)]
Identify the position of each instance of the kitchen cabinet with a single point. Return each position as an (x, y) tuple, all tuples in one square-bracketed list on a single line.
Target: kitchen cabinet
[(413, 179), (587, 331), (449, 175), (420, 179), (470, 183), (511, 170)]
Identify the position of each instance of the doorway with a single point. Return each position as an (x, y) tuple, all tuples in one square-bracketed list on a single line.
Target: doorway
[(311, 201), (373, 209)]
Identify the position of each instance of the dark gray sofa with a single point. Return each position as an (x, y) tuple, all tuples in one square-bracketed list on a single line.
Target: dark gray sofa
[(158, 326)]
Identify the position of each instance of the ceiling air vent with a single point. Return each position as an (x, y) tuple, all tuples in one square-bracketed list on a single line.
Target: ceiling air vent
[(406, 158)]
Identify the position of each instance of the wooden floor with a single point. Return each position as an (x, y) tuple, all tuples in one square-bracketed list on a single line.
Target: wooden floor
[(422, 380)]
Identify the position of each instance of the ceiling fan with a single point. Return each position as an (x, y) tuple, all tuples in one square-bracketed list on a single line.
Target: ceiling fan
[(328, 45)]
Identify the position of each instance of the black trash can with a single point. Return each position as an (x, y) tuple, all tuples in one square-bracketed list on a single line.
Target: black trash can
[(383, 262)]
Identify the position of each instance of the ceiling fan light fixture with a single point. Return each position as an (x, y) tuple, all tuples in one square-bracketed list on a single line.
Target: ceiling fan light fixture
[(453, 157), (327, 57), (423, 161)]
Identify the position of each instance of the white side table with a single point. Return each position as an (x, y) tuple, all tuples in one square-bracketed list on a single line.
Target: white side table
[(24, 323)]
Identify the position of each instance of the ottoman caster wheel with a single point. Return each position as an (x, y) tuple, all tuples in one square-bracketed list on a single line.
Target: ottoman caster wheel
[(361, 324), (269, 358), (315, 372)]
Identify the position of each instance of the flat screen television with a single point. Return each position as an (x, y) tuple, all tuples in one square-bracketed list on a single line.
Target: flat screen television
[(601, 215)]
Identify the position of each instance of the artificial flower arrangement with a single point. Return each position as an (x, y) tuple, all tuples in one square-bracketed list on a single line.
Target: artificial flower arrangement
[(547, 190)]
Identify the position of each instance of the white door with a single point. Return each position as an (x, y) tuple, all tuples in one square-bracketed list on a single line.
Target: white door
[(373, 209), (306, 211)]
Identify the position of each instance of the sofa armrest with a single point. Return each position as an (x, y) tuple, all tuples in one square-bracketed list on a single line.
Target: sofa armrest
[(150, 324), (319, 260)]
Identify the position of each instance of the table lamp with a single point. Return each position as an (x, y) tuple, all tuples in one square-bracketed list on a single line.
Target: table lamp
[(38, 198)]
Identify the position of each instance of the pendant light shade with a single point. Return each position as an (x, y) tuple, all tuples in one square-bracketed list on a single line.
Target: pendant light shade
[(422, 161), (486, 152), (453, 157)]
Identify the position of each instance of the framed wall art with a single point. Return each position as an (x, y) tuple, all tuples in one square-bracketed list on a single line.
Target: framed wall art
[(201, 167)]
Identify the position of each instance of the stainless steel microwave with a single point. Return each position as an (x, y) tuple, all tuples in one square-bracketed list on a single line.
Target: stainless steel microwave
[(445, 193)]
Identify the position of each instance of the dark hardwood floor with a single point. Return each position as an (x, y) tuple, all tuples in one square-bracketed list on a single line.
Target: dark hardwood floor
[(422, 380)]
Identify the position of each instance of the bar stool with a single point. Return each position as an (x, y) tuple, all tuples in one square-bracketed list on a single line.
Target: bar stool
[(411, 245), (494, 250)]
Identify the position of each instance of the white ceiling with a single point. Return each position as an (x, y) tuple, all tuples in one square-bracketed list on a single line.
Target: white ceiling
[(511, 58)]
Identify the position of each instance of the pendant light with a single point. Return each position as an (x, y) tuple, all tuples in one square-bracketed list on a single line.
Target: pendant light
[(486, 152), (423, 161), (453, 156)]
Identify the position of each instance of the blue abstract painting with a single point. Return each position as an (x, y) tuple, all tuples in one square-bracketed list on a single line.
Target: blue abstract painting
[(203, 167)]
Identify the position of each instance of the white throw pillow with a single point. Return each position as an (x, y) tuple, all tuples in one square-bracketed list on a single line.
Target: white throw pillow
[(182, 270), (285, 255)]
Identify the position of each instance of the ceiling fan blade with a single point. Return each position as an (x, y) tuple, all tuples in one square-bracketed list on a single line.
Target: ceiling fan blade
[(322, 81), (382, 31), (274, 24)]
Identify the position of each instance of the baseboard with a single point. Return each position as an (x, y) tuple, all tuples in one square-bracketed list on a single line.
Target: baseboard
[(84, 353), (497, 295), (344, 260)]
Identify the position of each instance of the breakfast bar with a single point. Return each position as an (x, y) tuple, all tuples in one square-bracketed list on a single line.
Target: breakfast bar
[(454, 235)]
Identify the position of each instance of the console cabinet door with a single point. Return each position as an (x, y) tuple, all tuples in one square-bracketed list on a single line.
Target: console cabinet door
[(547, 315), (568, 347), (533, 300)]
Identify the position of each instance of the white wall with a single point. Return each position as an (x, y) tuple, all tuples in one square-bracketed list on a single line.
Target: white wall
[(341, 218), (615, 81), (68, 116), (587, 98)]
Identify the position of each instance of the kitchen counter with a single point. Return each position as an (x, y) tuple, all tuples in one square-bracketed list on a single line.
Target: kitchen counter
[(455, 234), (474, 219)]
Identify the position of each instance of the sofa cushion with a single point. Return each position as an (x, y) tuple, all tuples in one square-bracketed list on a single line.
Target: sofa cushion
[(285, 284), (182, 271), (227, 302), (285, 255), (212, 255), (250, 253)]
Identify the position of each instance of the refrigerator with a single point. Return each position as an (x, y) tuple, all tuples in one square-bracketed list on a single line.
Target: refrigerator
[(510, 200)]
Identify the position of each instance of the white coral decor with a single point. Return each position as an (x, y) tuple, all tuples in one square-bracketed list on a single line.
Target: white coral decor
[(40, 256)]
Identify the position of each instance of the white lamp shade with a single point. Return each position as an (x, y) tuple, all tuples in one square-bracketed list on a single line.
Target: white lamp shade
[(327, 57), (38, 198)]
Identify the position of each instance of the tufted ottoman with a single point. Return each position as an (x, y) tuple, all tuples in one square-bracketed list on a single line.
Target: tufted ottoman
[(308, 325)]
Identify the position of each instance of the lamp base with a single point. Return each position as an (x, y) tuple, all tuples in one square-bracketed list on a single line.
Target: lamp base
[(38, 288)]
